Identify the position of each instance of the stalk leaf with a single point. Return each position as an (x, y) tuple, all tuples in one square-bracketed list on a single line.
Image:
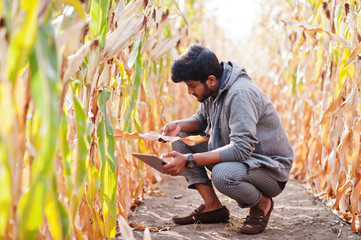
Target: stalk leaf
[(82, 152), (44, 80), (65, 152), (98, 19), (93, 188), (81, 163), (5, 192), (55, 214), (31, 206), (77, 6), (22, 41), (106, 146), (134, 95)]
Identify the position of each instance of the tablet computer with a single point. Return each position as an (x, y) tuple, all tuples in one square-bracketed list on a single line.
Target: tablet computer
[(152, 160)]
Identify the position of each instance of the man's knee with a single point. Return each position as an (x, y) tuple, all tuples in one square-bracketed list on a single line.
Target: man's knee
[(179, 145), (223, 177)]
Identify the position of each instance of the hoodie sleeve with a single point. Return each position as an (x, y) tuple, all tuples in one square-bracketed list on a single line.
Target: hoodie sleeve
[(201, 116), (243, 107)]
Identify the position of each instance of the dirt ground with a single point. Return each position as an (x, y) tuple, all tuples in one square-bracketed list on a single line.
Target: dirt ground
[(296, 215)]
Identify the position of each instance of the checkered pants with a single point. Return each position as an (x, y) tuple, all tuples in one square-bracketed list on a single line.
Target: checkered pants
[(234, 179)]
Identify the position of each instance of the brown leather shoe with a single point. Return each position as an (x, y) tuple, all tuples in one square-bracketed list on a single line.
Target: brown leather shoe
[(198, 216), (256, 222)]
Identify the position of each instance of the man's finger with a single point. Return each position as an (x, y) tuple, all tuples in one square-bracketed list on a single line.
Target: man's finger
[(168, 155)]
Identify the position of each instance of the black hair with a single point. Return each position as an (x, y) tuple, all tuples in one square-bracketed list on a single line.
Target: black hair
[(196, 64)]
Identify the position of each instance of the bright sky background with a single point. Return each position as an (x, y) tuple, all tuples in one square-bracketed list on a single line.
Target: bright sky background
[(235, 16)]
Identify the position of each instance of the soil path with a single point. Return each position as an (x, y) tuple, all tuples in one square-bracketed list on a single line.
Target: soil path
[(296, 215)]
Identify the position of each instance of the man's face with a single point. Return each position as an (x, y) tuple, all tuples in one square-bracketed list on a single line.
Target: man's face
[(198, 89)]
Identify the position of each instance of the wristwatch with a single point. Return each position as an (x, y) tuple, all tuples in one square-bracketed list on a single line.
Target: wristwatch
[(190, 163)]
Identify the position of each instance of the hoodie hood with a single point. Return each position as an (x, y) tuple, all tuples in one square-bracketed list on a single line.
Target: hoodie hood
[(231, 73)]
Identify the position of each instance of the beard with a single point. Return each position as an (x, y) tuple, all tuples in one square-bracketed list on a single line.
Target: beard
[(207, 92)]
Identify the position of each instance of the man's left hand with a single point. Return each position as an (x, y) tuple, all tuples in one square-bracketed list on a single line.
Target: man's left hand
[(177, 165)]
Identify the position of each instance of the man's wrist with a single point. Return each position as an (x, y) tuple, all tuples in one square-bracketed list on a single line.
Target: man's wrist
[(191, 163)]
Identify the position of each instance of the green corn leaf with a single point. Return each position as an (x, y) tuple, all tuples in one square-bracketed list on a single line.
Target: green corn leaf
[(134, 94), (22, 41), (82, 152), (64, 218), (106, 145), (98, 19), (31, 206), (65, 152), (46, 94), (44, 81), (5, 192), (81, 161)]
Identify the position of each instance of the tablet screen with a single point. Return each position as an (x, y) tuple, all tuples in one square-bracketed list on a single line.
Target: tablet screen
[(152, 160)]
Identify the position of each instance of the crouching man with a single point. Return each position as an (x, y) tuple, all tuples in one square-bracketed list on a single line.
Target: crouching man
[(248, 151)]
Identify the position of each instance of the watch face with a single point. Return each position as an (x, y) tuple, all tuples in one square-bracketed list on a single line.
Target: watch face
[(191, 164)]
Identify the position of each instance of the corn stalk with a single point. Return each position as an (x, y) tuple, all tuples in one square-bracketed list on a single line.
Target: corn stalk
[(311, 55), (71, 73)]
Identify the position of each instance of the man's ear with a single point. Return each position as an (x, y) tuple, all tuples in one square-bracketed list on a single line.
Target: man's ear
[(212, 80)]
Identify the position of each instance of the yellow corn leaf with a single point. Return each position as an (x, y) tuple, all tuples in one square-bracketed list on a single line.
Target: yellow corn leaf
[(5, 196), (78, 7), (23, 39), (121, 67)]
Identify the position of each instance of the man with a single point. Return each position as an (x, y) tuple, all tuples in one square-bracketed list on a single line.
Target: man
[(248, 151)]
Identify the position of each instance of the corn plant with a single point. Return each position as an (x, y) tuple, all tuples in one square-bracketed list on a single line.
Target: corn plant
[(72, 73), (311, 58)]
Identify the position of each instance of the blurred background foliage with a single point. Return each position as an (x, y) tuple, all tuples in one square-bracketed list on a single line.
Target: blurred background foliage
[(75, 73)]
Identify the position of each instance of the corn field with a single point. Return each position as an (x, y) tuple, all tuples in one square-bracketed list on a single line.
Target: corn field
[(310, 51), (78, 77), (73, 75)]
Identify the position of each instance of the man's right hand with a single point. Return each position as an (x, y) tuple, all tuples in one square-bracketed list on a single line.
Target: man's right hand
[(171, 129)]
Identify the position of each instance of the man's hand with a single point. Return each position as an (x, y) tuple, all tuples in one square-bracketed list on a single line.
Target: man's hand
[(177, 165), (171, 129)]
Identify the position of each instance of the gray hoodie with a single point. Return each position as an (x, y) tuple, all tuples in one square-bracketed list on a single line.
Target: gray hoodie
[(244, 125)]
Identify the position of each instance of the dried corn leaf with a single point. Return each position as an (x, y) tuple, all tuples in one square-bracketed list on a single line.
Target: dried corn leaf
[(193, 140), (355, 199), (130, 10), (164, 47), (71, 38), (311, 28), (76, 60), (139, 226), (127, 232), (147, 235), (122, 34), (153, 136), (354, 53)]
